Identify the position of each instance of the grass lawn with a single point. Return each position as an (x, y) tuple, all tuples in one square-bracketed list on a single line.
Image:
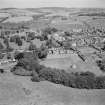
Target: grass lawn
[(66, 63)]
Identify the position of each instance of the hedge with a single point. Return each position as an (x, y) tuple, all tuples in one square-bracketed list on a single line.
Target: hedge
[(81, 80)]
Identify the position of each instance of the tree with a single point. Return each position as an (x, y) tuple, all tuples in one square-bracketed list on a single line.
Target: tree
[(23, 37), (1, 55), (31, 35), (42, 52), (101, 64), (1, 46), (47, 31), (8, 56), (20, 42), (6, 41), (13, 38), (18, 55), (32, 47), (103, 47), (68, 34)]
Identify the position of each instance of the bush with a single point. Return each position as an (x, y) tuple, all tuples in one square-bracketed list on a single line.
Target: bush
[(16, 39), (100, 82), (21, 71), (1, 55), (35, 76), (31, 36), (1, 70), (85, 80), (42, 52), (47, 31), (32, 47), (6, 42), (23, 37), (1, 46), (101, 64), (19, 42), (27, 63), (54, 75), (81, 80), (19, 56)]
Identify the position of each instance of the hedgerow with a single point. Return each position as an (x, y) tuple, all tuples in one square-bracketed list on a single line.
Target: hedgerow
[(81, 80)]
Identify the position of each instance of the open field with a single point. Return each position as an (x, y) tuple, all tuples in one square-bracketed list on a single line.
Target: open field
[(60, 61), (67, 62), (3, 15), (18, 19)]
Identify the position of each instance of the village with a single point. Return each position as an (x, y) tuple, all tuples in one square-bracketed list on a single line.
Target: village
[(61, 42)]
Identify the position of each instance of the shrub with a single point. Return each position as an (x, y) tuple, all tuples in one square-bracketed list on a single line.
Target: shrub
[(1, 46), (1, 55), (32, 47), (35, 76), (85, 80), (6, 42), (81, 80), (1, 70), (42, 52), (16, 39), (100, 82), (9, 56), (19, 56), (54, 75), (21, 71), (23, 37), (101, 64), (19, 42), (31, 36)]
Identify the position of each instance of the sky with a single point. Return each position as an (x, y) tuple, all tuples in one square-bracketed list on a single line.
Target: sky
[(52, 3)]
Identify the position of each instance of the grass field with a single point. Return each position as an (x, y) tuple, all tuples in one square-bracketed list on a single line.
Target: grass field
[(18, 19), (15, 90), (60, 62), (4, 15), (67, 62)]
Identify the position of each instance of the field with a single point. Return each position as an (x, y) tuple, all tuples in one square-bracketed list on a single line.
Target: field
[(16, 90), (18, 19), (4, 15), (67, 63)]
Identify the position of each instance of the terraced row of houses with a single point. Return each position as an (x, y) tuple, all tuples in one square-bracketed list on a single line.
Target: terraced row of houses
[(59, 50), (86, 41), (4, 62)]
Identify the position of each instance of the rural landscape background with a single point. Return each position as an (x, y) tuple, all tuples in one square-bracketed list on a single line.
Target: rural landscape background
[(52, 56)]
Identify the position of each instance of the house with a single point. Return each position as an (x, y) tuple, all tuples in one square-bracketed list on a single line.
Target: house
[(58, 37)]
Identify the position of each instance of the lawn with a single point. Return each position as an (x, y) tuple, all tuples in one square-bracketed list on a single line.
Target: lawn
[(68, 62)]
